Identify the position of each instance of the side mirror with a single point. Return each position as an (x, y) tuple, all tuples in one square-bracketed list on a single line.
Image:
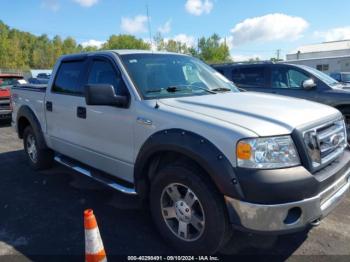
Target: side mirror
[(309, 84), (104, 95)]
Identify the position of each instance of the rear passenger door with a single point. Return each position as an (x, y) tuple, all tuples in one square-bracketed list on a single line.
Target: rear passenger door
[(251, 78), (64, 127)]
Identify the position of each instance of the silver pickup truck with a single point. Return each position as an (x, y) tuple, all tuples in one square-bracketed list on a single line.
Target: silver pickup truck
[(207, 157)]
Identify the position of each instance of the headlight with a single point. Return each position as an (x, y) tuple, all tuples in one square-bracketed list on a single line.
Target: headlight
[(267, 153)]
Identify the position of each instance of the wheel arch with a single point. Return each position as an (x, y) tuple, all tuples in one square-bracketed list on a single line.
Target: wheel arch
[(25, 118), (171, 145)]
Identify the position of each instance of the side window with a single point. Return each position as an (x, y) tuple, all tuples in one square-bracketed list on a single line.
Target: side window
[(68, 78), (221, 71), (296, 79), (279, 77), (249, 77), (236, 76), (102, 72)]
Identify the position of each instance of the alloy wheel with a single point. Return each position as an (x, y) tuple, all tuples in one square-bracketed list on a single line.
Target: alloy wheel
[(182, 212)]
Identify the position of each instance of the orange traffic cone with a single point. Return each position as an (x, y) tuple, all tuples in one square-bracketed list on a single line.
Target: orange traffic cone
[(94, 250)]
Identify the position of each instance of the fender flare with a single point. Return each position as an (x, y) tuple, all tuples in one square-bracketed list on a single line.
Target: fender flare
[(195, 147), (27, 113)]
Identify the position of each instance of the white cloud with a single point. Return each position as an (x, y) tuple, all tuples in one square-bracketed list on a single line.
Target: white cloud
[(199, 7), (243, 58), (268, 28), (94, 43), (185, 39), (335, 34), (152, 43), (52, 5), (138, 24), (86, 3), (166, 28)]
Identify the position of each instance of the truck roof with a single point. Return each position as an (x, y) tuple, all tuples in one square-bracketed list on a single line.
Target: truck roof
[(117, 51)]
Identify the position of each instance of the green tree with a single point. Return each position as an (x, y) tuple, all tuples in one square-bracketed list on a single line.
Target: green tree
[(213, 49), (171, 45), (125, 42)]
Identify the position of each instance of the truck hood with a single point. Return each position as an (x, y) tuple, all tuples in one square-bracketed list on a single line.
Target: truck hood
[(263, 114)]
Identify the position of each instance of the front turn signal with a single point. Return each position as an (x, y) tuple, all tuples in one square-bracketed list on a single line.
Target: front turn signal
[(244, 151)]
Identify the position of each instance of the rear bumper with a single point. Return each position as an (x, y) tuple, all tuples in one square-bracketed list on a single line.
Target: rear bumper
[(288, 217), (5, 114)]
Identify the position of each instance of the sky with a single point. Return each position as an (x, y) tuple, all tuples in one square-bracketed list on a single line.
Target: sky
[(251, 28)]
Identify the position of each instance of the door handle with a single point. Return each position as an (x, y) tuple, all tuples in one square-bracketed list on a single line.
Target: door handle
[(49, 106), (81, 112)]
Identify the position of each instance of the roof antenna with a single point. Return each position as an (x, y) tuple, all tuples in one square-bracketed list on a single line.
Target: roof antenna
[(149, 25)]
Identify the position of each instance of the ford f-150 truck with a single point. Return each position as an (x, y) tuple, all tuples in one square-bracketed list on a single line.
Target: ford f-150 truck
[(172, 130)]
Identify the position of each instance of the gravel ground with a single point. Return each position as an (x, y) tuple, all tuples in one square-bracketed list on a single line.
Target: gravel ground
[(41, 218)]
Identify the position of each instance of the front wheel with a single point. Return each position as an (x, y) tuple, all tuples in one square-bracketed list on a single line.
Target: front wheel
[(188, 211)]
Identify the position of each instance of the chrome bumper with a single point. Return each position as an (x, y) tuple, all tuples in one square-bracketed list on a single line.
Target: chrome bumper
[(5, 114), (290, 216)]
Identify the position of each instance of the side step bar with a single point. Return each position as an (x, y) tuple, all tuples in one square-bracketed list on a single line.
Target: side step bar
[(97, 177)]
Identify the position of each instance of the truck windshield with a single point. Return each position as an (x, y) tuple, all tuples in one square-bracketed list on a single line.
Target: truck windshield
[(169, 75)]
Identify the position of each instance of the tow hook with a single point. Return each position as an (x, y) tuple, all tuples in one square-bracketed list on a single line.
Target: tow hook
[(316, 222)]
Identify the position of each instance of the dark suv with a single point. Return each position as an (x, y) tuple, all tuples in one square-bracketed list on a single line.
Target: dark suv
[(289, 80), (342, 77)]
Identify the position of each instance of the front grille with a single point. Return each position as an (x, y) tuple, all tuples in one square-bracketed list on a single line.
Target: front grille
[(326, 142), (5, 104)]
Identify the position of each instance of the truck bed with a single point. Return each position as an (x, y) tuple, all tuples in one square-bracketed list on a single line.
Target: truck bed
[(32, 96)]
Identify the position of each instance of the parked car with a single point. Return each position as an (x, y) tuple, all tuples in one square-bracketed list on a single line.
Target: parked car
[(6, 82), (178, 134), (38, 81), (290, 80), (43, 76), (342, 77)]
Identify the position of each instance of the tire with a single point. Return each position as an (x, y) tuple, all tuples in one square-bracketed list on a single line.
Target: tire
[(346, 113), (208, 213), (39, 159)]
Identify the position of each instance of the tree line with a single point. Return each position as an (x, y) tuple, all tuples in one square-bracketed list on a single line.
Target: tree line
[(23, 50)]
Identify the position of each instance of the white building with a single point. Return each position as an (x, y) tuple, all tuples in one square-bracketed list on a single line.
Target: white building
[(327, 57)]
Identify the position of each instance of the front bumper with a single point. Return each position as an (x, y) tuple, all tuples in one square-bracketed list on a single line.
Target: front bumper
[(291, 216)]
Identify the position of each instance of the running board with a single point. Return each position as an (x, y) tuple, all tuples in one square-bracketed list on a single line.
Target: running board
[(97, 177)]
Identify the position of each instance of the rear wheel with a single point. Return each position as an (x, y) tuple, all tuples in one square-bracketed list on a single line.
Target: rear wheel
[(188, 211), (38, 158)]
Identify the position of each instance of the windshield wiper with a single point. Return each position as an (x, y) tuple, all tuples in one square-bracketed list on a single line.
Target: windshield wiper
[(174, 89), (154, 91), (221, 89)]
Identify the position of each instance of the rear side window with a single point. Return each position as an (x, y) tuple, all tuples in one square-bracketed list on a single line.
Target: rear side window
[(68, 79), (221, 71), (249, 77)]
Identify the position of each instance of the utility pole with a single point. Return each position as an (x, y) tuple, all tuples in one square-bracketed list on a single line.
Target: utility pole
[(278, 54)]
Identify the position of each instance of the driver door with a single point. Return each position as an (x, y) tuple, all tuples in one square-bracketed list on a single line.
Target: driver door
[(288, 81)]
